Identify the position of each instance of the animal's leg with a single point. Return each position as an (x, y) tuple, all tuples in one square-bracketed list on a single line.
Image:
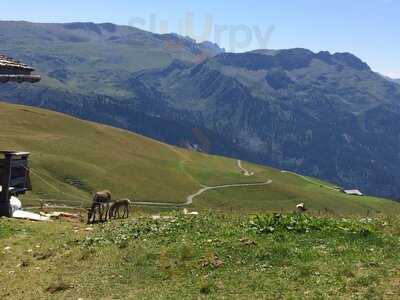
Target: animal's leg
[(101, 212), (110, 213), (89, 216), (106, 212), (125, 212)]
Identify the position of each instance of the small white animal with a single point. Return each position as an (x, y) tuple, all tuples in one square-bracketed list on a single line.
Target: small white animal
[(301, 207)]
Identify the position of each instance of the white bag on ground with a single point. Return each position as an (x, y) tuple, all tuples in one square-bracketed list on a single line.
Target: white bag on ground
[(15, 204), (17, 212), (26, 215)]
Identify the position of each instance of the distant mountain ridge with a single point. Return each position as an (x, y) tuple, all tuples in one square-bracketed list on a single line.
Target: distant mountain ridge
[(322, 114), (315, 113), (92, 58), (391, 79)]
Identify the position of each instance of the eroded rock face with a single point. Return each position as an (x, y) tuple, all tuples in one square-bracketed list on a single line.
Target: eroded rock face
[(321, 114)]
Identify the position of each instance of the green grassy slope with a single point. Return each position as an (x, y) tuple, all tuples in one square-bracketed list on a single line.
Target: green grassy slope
[(72, 158), (211, 256), (287, 190)]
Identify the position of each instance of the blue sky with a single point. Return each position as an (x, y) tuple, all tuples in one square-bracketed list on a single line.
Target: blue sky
[(367, 28)]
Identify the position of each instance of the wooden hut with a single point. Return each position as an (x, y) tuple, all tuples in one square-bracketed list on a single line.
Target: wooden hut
[(12, 70), (14, 169), (14, 178)]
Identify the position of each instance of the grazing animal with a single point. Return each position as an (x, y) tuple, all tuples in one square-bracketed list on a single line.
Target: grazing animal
[(102, 198), (301, 208), (115, 208), (99, 208)]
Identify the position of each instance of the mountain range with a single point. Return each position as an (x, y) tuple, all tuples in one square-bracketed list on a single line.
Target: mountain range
[(321, 114)]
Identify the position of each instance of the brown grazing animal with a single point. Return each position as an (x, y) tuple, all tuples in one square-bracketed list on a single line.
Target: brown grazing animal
[(116, 206), (103, 197)]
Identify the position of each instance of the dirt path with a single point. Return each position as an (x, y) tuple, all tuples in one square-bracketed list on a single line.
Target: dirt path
[(244, 171), (190, 198), (311, 181)]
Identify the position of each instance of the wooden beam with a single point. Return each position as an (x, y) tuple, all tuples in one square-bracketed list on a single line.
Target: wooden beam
[(5, 208), (14, 153), (20, 78)]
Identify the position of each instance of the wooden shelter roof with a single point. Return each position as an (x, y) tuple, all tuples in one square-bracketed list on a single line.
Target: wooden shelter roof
[(9, 62), (14, 70)]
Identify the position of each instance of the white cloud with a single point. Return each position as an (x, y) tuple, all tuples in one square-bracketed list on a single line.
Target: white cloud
[(394, 75)]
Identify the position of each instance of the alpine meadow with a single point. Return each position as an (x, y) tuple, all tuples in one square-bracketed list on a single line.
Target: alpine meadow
[(199, 150)]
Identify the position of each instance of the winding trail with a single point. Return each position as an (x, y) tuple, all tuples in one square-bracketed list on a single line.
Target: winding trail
[(245, 171), (188, 201), (190, 198), (311, 181)]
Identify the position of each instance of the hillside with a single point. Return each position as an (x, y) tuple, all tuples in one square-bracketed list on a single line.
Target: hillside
[(72, 158), (321, 114)]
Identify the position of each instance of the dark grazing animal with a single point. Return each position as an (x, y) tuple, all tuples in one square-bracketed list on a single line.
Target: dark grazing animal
[(117, 206), (97, 208), (102, 198)]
